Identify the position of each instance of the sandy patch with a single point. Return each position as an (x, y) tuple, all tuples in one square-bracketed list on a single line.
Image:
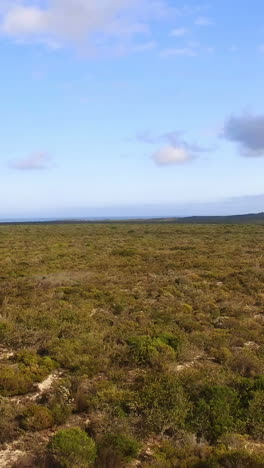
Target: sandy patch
[(10, 455), (63, 278), (5, 353), (42, 387)]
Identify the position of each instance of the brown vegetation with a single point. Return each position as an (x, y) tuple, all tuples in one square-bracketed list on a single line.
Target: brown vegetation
[(148, 338)]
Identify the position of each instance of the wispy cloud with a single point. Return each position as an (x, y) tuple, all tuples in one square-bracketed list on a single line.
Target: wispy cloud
[(190, 49), (144, 46), (248, 131), (204, 21), (179, 52), (34, 162), (178, 32), (261, 48)]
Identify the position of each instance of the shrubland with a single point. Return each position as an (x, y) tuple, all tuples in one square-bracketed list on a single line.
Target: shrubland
[(132, 343)]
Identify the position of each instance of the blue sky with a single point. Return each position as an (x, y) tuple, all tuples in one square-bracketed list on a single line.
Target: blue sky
[(126, 106)]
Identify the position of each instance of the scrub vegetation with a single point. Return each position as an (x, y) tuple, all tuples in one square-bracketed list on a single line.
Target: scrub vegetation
[(127, 345)]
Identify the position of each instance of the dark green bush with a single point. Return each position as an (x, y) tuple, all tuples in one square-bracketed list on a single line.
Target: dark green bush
[(60, 413), (256, 415), (215, 412), (122, 447), (72, 448)]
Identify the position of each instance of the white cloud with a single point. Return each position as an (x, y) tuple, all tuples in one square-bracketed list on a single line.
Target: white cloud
[(24, 20), (171, 155), (175, 149), (179, 51), (178, 32), (34, 162), (102, 24), (203, 21)]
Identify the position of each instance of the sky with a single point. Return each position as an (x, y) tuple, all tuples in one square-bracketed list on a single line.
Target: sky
[(131, 107)]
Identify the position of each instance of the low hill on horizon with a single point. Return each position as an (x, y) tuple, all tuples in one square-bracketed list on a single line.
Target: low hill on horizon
[(250, 218)]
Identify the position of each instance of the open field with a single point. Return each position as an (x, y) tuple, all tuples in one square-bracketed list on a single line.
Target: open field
[(147, 337)]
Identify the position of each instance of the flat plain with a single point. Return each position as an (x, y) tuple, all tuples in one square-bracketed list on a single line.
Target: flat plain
[(132, 345)]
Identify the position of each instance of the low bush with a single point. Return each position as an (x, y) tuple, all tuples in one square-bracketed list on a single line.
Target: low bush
[(8, 423), (215, 412), (72, 448), (59, 400), (236, 459), (256, 415), (36, 418), (14, 381), (120, 447), (162, 404), (147, 350), (247, 364), (124, 252)]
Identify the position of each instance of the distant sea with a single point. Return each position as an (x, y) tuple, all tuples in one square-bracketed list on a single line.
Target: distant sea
[(95, 218)]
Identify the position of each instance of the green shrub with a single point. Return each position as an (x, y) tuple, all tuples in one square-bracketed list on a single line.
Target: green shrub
[(103, 395), (162, 404), (146, 350), (122, 447), (8, 423), (76, 354), (59, 401), (36, 418), (72, 448), (7, 331), (246, 363), (168, 455), (18, 379), (256, 415), (174, 341), (32, 359), (60, 413), (239, 459), (14, 381), (215, 412), (246, 388)]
